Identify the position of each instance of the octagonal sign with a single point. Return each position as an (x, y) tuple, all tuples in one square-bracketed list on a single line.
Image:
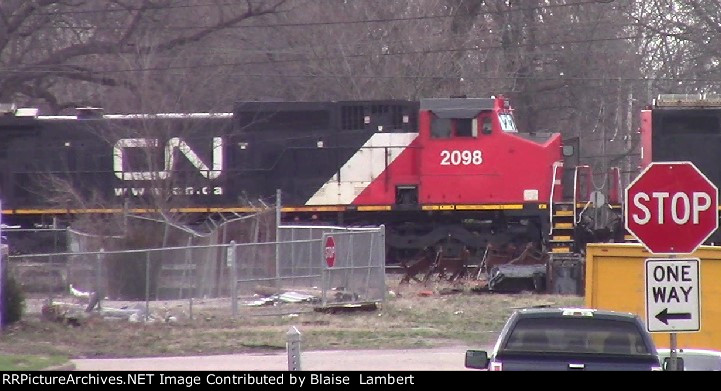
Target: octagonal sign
[(671, 207)]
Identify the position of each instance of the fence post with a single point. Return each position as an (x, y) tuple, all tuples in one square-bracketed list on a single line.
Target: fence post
[(293, 338), (278, 206), (191, 284), (230, 261), (382, 263), (99, 291), (147, 285), (2, 302)]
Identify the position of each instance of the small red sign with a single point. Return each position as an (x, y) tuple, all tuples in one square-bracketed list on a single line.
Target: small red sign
[(329, 251)]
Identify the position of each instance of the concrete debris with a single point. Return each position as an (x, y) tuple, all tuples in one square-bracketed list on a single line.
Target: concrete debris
[(78, 293), (76, 314), (261, 302), (285, 297), (517, 278), (294, 297), (337, 308)]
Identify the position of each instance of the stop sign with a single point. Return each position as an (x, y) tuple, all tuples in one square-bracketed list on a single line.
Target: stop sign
[(329, 251), (671, 207)]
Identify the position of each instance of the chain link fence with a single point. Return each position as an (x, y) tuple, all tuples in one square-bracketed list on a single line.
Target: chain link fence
[(238, 262), (295, 270), (354, 267)]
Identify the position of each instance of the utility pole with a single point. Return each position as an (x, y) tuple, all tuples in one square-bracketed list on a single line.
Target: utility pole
[(629, 138)]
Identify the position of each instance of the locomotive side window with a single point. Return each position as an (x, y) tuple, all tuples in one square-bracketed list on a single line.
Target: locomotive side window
[(464, 127), (441, 127), (453, 127), (506, 120), (487, 124)]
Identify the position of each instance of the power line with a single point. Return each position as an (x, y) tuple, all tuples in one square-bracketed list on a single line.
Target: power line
[(296, 48), (305, 59), (380, 20), (446, 77), (331, 23), (130, 9)]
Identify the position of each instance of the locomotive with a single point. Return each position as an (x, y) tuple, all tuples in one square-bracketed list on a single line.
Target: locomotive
[(453, 172), (684, 127)]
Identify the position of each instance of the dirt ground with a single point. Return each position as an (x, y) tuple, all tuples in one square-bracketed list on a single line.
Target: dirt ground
[(439, 315)]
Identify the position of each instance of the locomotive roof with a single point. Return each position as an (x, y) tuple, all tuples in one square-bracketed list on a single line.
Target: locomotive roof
[(457, 107), (143, 116)]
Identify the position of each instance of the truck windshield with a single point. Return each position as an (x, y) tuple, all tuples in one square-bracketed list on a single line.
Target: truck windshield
[(576, 335)]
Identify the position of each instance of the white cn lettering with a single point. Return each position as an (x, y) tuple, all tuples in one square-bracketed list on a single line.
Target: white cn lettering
[(170, 147)]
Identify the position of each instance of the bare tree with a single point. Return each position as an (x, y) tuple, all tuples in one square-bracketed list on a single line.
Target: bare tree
[(46, 42), (682, 50)]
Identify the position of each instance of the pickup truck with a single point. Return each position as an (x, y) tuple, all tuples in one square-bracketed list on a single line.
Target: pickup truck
[(557, 339)]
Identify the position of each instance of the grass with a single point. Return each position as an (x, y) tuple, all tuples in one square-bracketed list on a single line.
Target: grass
[(405, 320), (30, 362)]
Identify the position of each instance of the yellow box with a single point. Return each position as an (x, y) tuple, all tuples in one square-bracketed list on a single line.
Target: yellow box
[(615, 281)]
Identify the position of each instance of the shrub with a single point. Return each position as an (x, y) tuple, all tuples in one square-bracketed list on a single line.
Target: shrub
[(13, 299)]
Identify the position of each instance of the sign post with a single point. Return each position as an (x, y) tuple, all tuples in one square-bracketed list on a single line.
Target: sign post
[(672, 208), (2, 286)]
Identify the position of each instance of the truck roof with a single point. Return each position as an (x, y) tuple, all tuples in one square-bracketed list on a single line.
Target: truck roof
[(560, 312)]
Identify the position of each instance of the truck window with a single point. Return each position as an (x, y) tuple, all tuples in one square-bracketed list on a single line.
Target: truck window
[(576, 335)]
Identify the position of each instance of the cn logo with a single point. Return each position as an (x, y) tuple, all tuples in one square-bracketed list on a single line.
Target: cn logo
[(120, 158)]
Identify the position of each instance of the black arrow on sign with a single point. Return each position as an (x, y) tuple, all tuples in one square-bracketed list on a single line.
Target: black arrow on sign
[(664, 316)]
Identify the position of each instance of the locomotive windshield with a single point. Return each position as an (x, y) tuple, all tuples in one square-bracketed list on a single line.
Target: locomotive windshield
[(506, 120)]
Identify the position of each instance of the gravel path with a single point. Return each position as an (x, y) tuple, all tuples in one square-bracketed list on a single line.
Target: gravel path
[(441, 359)]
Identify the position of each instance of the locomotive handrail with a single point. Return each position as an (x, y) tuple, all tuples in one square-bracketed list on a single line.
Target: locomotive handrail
[(556, 165), (575, 190), (581, 212)]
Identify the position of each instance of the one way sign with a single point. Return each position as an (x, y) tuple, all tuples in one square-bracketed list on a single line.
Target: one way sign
[(672, 295)]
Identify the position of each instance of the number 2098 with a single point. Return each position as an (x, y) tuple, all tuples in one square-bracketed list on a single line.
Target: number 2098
[(457, 158)]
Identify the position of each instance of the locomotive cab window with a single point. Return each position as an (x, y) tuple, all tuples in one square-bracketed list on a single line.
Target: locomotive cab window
[(506, 120), (487, 124), (441, 127), (466, 127), (453, 127)]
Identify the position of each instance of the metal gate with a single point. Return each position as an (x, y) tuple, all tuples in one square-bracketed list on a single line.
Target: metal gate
[(353, 266)]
